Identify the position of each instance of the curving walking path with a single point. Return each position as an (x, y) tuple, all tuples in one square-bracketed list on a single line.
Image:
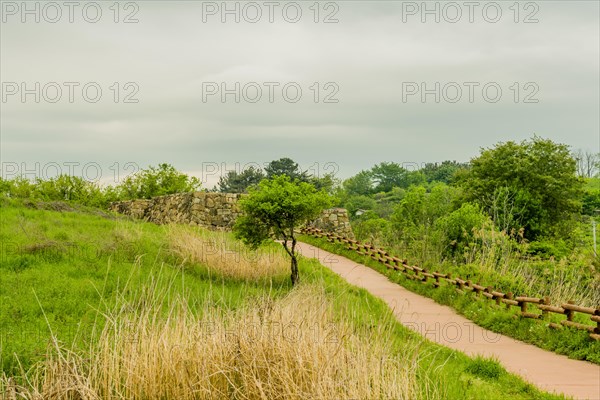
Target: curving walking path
[(548, 371)]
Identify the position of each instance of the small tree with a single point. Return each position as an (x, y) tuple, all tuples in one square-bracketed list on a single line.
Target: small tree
[(276, 207)]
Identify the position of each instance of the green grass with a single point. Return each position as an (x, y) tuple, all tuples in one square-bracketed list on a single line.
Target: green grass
[(60, 270), (568, 341)]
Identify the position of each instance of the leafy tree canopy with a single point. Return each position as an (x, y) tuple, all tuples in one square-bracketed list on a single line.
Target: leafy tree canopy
[(286, 166), (388, 175), (360, 184), (234, 182), (532, 184), (327, 182), (442, 172)]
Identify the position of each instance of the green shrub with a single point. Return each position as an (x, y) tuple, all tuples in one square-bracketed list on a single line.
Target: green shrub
[(458, 227)]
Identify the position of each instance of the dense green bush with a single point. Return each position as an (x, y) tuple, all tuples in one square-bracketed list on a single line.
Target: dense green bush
[(415, 217), (370, 228), (60, 188), (459, 227), (156, 181), (147, 183)]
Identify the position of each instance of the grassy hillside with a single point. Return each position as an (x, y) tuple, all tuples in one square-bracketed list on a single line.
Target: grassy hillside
[(95, 306)]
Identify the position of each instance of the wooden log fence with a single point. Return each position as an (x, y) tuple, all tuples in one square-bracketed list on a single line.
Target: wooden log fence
[(540, 307)]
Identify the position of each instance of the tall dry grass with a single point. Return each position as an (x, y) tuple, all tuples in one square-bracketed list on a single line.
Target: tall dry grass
[(561, 280), (290, 348), (224, 255)]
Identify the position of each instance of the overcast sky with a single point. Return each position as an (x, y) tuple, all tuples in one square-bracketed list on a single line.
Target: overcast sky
[(371, 65)]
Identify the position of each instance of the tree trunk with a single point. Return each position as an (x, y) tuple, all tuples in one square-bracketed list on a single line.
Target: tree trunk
[(295, 277), (292, 253)]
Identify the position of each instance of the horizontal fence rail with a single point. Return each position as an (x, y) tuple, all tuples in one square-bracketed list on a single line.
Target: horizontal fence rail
[(540, 307)]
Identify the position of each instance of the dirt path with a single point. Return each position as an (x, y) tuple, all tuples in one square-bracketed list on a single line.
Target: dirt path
[(441, 324)]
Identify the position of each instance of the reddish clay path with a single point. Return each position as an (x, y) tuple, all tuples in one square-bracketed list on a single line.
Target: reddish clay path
[(548, 371)]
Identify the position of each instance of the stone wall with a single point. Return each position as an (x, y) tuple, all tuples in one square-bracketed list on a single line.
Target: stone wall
[(217, 211), (334, 220)]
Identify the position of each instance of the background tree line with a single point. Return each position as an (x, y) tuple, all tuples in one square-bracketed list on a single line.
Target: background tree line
[(534, 192), (536, 189), (151, 182)]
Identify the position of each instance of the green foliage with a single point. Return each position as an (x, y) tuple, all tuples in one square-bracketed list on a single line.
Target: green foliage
[(359, 202), (442, 172), (18, 187), (156, 181), (150, 182), (388, 175), (538, 180), (286, 166), (360, 184), (5, 186), (414, 217), (545, 249), (592, 183), (70, 188), (458, 227), (591, 197), (60, 188), (234, 182), (327, 183), (387, 201), (161, 180), (277, 207), (370, 228)]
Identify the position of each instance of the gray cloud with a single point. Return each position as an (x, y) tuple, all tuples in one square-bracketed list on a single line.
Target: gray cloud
[(369, 54)]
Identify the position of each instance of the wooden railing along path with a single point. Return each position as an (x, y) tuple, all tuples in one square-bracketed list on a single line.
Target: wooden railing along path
[(541, 305)]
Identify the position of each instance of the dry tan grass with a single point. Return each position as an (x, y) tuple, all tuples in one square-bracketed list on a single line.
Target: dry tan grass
[(291, 348), (561, 281), (225, 256)]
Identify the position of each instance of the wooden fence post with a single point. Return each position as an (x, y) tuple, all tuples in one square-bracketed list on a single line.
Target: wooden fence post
[(547, 303), (570, 313), (497, 298), (461, 285), (523, 305)]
